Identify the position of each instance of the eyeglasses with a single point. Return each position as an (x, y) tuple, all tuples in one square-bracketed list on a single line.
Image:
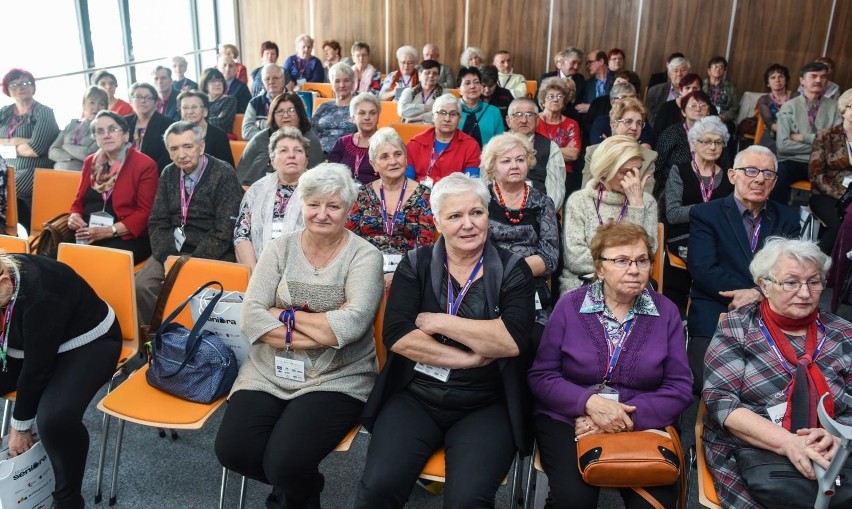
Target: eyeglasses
[(620, 97), (625, 263), (109, 130), (754, 172), (793, 286), (474, 83), (194, 107), (294, 150), (448, 114), (698, 106), (523, 114), (629, 122), (142, 98), (23, 84), (711, 143), (288, 111), (554, 97)]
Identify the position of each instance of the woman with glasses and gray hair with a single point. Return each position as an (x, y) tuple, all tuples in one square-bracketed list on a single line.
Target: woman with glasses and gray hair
[(352, 149), (332, 120), (767, 366), (553, 95), (404, 77), (308, 312)]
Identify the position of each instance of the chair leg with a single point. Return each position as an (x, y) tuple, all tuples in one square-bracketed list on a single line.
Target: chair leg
[(529, 491), (7, 418), (104, 438), (517, 494), (223, 487), (116, 460), (243, 492)]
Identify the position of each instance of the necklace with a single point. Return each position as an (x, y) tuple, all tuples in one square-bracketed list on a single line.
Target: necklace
[(513, 220), (328, 257)]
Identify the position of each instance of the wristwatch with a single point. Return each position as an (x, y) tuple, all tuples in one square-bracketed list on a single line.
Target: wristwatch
[(114, 231)]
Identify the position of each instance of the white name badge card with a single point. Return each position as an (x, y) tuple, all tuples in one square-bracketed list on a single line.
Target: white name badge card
[(428, 182), (180, 237), (277, 229), (288, 367), (8, 152), (776, 412), (442, 374), (101, 219), (537, 302), (605, 391), (391, 262)]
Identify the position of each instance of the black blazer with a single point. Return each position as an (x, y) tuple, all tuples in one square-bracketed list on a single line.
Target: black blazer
[(719, 255), (217, 144), (240, 92), (153, 145), (579, 83)]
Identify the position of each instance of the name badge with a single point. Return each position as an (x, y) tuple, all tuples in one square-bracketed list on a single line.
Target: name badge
[(289, 368), (301, 82), (101, 219), (8, 152), (428, 182), (391, 261), (442, 374), (605, 391), (537, 302), (180, 237), (776, 412), (277, 229), (847, 181)]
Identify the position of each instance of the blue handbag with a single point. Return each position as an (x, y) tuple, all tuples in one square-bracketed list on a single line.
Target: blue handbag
[(192, 364)]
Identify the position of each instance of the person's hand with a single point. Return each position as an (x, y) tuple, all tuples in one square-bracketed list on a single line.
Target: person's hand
[(19, 442), (741, 297), (75, 221), (93, 233), (634, 188), (585, 426), (610, 416), (427, 322), (820, 441), (582, 108), (799, 137), (801, 454), (477, 361)]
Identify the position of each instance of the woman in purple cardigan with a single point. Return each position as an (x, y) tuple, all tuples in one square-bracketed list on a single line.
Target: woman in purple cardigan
[(612, 359)]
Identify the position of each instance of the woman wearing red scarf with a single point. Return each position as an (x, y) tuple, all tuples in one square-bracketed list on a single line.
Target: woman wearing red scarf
[(769, 363)]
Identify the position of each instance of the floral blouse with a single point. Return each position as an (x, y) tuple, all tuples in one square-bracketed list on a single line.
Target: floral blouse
[(330, 122), (413, 228), (242, 230)]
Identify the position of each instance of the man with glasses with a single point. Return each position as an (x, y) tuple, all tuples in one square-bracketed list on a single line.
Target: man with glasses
[(724, 234), (548, 174), (600, 128), (257, 111), (568, 64), (599, 82)]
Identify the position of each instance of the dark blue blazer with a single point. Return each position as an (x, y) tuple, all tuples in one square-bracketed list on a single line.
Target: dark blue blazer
[(240, 92), (719, 255)]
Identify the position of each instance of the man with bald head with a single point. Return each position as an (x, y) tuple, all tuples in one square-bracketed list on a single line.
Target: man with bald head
[(257, 111), (445, 78), (233, 87)]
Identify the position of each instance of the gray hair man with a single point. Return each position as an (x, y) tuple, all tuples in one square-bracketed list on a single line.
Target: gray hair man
[(257, 111), (548, 174)]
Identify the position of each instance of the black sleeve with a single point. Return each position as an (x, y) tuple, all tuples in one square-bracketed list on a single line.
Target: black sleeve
[(517, 304)]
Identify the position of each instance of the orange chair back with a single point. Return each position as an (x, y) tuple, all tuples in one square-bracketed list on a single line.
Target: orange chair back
[(322, 89), (237, 149), (761, 126), (237, 127), (10, 244), (454, 91), (658, 258), (196, 272), (408, 131), (389, 114), (320, 100), (532, 88), (53, 193), (11, 203)]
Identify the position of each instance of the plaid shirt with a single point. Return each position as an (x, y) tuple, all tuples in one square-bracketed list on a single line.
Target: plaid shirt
[(741, 371)]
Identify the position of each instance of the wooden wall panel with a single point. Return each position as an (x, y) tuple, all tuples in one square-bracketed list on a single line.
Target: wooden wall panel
[(350, 21), (517, 27), (589, 25), (697, 29), (758, 42), (840, 46), (440, 22), (269, 20)]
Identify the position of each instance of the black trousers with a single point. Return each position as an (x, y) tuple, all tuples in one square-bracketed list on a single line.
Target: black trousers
[(76, 377), (282, 442), (825, 208), (567, 488), (479, 451), (788, 173)]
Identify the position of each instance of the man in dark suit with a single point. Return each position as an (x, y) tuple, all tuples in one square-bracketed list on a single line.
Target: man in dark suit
[(658, 95), (234, 87), (568, 64), (166, 105), (723, 237)]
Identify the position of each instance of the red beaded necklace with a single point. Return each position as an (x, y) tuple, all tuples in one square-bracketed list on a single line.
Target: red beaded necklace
[(513, 220)]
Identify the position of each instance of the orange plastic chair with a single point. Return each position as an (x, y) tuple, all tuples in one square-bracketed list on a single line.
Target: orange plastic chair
[(322, 89), (53, 193), (675, 260), (532, 88), (389, 114), (320, 100), (135, 400), (11, 204), (12, 244), (761, 126), (707, 496), (657, 272), (237, 149), (237, 127), (454, 91), (802, 185), (408, 131)]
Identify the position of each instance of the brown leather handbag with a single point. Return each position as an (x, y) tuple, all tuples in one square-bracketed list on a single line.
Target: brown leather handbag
[(55, 231), (633, 459)]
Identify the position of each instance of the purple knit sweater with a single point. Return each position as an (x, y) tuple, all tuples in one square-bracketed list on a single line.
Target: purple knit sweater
[(652, 372)]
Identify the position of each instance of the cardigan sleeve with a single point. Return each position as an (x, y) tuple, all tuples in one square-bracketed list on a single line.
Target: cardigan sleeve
[(363, 291), (724, 369), (145, 185), (261, 292), (218, 241), (676, 211)]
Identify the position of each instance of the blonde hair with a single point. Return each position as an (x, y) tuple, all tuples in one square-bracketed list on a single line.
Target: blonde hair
[(844, 101), (610, 156), (229, 47), (566, 87), (498, 146), (620, 108), (7, 262)]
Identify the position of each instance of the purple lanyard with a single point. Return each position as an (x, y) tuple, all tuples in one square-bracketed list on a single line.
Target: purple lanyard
[(389, 226), (426, 97), (598, 206), (19, 120), (79, 132), (433, 158), (705, 193), (284, 201), (777, 351), (359, 158), (755, 234), (7, 318), (300, 69), (453, 302), (614, 351), (184, 199)]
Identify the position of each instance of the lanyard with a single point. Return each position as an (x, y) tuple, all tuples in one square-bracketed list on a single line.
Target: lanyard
[(813, 113), (705, 193), (390, 226), (184, 199), (598, 206), (19, 120), (453, 302), (755, 234), (614, 351), (301, 68), (777, 352), (433, 158), (426, 97), (686, 129), (7, 318), (284, 201)]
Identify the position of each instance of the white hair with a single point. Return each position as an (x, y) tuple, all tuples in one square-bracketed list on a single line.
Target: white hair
[(757, 150), (325, 180), (677, 62), (803, 251), (340, 68), (382, 136), (407, 50), (364, 98), (708, 125), (444, 101), (454, 184)]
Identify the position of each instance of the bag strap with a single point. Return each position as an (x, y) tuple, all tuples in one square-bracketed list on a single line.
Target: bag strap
[(653, 502), (682, 474), (193, 339), (168, 284)]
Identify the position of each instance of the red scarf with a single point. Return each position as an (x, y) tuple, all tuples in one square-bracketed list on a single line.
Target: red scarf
[(806, 371)]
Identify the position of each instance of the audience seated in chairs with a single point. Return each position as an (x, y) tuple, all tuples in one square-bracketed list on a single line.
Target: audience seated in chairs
[(671, 112), (332, 119), (179, 80), (166, 103), (352, 149), (445, 77), (194, 107), (677, 67), (232, 85), (222, 108), (405, 76), (553, 95), (268, 55), (302, 66), (777, 80), (568, 64), (76, 141), (106, 81), (415, 103), (515, 83), (257, 111), (367, 78), (479, 120), (146, 126)]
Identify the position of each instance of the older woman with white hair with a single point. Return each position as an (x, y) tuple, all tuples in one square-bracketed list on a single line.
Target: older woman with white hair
[(457, 331), (404, 77), (415, 103), (766, 368), (472, 57), (265, 212), (352, 149), (698, 182), (308, 313), (332, 120), (615, 193), (303, 67)]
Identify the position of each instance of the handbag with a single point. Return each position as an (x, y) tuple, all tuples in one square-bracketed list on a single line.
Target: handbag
[(146, 336), (190, 363), (633, 459), (774, 482), (55, 232), (27, 480)]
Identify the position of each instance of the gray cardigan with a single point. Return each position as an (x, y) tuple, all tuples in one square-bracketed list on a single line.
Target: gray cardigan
[(793, 118)]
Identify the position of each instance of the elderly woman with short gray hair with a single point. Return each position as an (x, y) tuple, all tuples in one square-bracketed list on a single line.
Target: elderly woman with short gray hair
[(270, 207), (472, 57), (404, 77), (768, 365), (352, 149), (331, 120), (308, 312), (457, 331)]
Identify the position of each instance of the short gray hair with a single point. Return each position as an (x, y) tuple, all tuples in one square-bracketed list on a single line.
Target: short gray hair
[(180, 127), (574, 51), (382, 136), (619, 89), (454, 184), (677, 62), (407, 50), (326, 179), (757, 150), (517, 102), (271, 67), (468, 52), (803, 251), (340, 68), (290, 133), (360, 98), (708, 125), (443, 101)]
